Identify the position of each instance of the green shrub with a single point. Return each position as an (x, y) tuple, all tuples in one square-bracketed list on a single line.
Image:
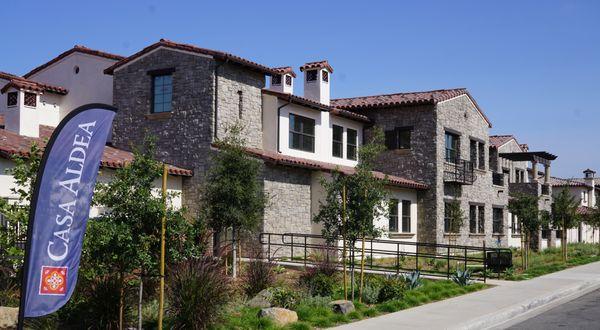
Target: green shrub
[(319, 280), (462, 277), (370, 294), (197, 292), (284, 297), (413, 280), (392, 288)]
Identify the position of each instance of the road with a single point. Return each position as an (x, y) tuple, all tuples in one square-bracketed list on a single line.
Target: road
[(581, 313)]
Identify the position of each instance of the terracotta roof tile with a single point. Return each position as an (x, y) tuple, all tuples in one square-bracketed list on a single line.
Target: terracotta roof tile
[(584, 210), (284, 70), (14, 144), (75, 49), (497, 141), (399, 99), (279, 159), (317, 105), (317, 65), (8, 76), (193, 49), (571, 182), (22, 83)]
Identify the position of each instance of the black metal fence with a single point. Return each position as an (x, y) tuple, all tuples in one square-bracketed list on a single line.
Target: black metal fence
[(384, 255)]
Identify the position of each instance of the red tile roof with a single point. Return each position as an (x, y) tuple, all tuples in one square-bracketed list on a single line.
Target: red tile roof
[(584, 210), (571, 182), (8, 76), (399, 99), (317, 105), (14, 144), (497, 141), (284, 70), (317, 65), (193, 49), (22, 83), (279, 159), (75, 49)]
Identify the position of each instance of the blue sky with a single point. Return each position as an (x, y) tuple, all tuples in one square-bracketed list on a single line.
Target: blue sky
[(533, 66)]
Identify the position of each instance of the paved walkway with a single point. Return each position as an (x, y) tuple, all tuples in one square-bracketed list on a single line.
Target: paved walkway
[(491, 307)]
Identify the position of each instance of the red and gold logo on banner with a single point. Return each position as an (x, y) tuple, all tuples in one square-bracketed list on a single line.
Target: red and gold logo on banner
[(53, 280)]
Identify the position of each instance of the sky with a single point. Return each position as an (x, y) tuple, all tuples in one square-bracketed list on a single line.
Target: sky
[(532, 66)]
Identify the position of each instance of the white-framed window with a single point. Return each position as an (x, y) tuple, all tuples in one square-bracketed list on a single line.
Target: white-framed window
[(302, 133), (351, 144), (337, 144)]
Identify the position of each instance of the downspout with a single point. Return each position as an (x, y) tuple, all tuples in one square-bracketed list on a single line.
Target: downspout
[(216, 95), (279, 120)]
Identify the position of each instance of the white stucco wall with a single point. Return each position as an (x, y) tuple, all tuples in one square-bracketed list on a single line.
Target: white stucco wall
[(324, 122), (90, 85)]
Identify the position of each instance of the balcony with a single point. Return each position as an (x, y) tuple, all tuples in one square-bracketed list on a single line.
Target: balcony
[(498, 179), (459, 171), (530, 188)]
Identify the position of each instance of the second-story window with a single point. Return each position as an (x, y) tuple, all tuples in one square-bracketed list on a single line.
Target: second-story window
[(398, 138), (452, 147), (30, 99), (338, 141), (481, 158), (162, 86), (497, 220), (473, 152), (302, 133), (12, 99), (351, 143)]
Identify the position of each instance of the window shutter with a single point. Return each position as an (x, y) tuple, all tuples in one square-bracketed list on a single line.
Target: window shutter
[(391, 139)]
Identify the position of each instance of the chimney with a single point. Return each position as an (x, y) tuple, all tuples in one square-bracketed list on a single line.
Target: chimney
[(283, 80), (316, 81), (21, 116), (589, 177)]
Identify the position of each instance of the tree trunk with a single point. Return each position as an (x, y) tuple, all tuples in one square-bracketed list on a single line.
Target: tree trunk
[(345, 279), (362, 270), (140, 303), (564, 240), (121, 299), (352, 270), (234, 253)]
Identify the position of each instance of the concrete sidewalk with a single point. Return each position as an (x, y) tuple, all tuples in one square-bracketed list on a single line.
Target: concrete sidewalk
[(492, 307)]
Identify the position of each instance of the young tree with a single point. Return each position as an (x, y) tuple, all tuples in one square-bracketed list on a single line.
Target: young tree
[(564, 216), (525, 208), (233, 198), (125, 239), (592, 219), (17, 212), (456, 217), (365, 197)]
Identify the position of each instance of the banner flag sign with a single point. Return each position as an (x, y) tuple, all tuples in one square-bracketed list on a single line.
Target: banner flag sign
[(60, 208)]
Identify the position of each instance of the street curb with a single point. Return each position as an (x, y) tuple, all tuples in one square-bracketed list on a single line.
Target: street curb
[(510, 313)]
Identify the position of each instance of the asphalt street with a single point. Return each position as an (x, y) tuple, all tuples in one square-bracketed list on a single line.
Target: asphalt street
[(581, 313)]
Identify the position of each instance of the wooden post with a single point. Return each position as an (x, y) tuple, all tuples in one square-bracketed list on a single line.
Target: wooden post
[(163, 229)]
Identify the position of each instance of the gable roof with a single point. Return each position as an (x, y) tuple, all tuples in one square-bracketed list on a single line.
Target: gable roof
[(15, 144), (291, 98), (571, 182), (193, 49), (75, 49), (399, 99), (8, 76), (317, 65), (497, 141), (22, 83), (279, 159)]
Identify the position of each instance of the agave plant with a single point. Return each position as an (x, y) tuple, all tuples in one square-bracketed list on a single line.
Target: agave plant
[(462, 277), (413, 279)]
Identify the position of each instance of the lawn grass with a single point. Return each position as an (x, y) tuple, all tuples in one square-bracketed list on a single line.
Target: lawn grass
[(550, 260), (313, 314)]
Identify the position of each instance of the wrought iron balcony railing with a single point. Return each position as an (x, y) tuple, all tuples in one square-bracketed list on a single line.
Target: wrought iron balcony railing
[(459, 171)]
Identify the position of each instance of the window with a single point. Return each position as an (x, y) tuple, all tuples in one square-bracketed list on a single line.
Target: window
[(302, 133), (162, 86), (450, 214), (473, 152), (497, 220), (393, 225), (3, 221), (288, 80), (481, 150), (476, 219), (398, 138), (11, 99), (76, 69), (473, 219), (406, 217), (447, 217), (338, 141), (451, 147), (559, 233), (325, 76), (519, 175), (351, 143), (311, 75), (240, 104), (584, 197), (276, 80), (546, 233), (30, 99), (515, 228), (481, 222)]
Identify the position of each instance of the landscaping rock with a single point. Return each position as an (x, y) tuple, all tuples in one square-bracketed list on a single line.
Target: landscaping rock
[(8, 317), (279, 316), (262, 299), (342, 306)]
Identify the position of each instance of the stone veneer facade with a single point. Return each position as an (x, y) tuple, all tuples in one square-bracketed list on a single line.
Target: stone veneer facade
[(425, 163)]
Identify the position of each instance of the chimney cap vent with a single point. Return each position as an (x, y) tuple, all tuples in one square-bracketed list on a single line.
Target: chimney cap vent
[(285, 70), (317, 65)]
